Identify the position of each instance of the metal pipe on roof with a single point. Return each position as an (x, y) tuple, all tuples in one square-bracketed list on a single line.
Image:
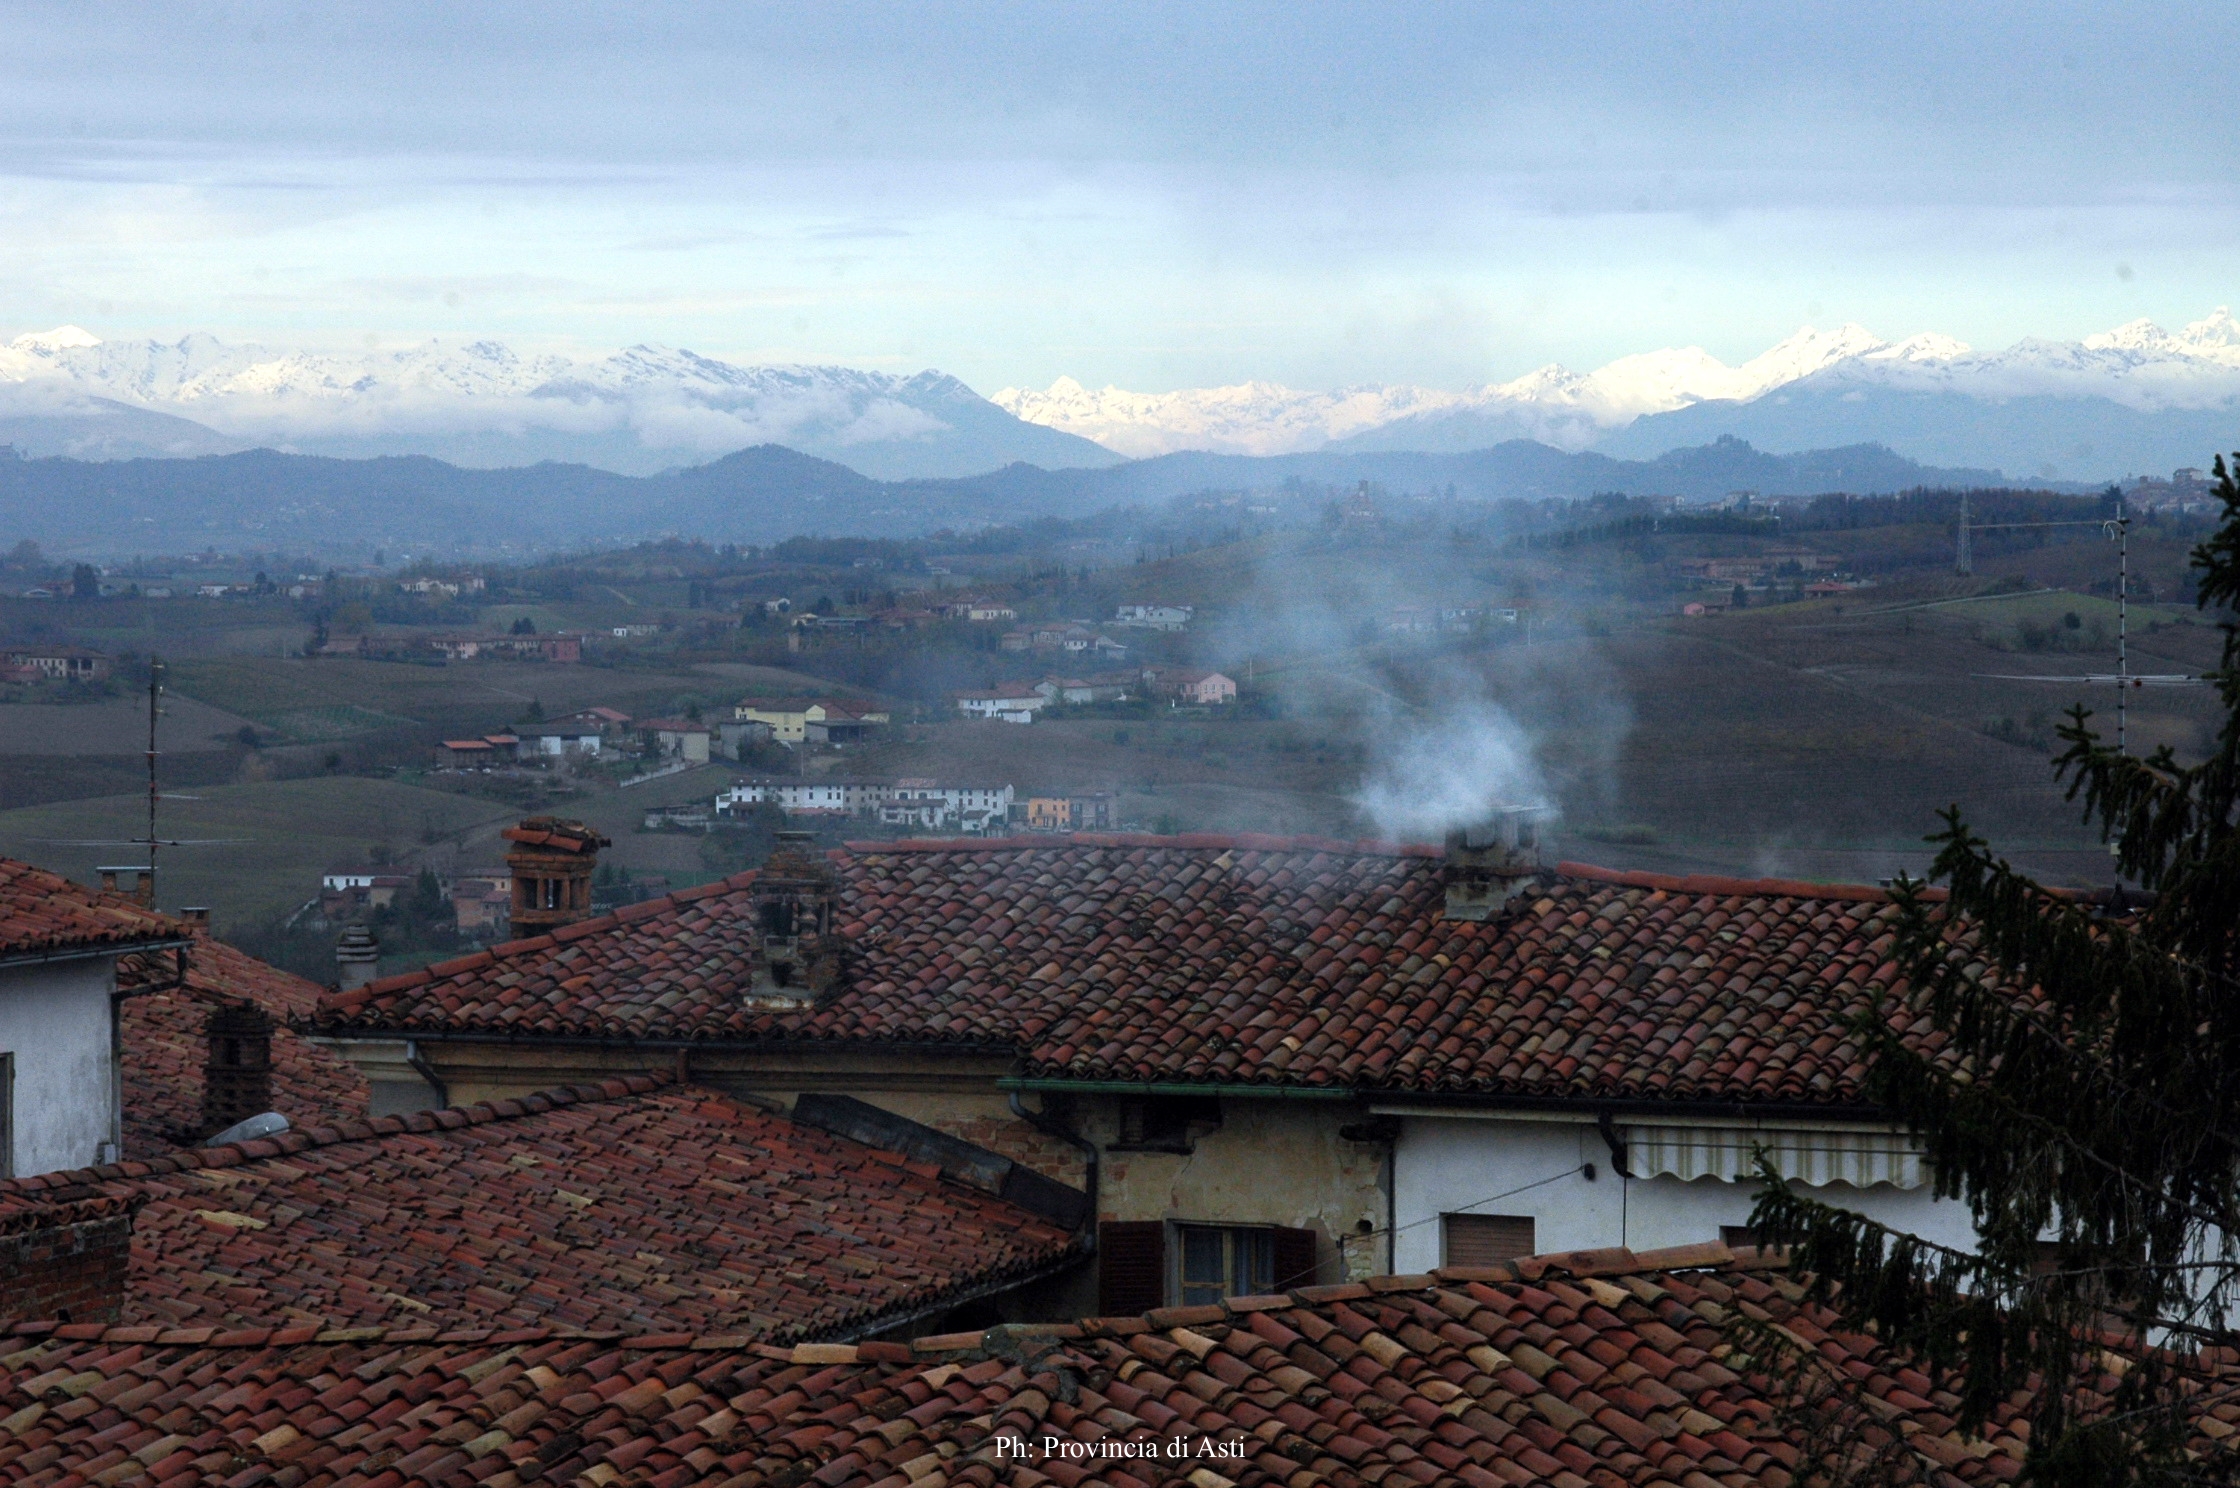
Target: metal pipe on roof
[(427, 1072)]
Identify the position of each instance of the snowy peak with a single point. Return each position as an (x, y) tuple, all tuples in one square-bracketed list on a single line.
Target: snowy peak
[(2139, 365), (642, 408), (61, 338)]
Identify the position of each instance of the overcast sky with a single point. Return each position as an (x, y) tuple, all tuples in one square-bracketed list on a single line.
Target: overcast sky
[(1153, 195)]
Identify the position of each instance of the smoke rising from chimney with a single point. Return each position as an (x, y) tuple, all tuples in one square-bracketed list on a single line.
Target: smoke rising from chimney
[(1453, 768)]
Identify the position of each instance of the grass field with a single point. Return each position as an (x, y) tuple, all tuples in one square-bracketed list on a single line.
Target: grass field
[(261, 846), (116, 725)]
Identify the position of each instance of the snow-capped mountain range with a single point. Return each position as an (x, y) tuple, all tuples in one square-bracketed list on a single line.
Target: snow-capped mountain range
[(640, 409), (2134, 399), (2137, 367)]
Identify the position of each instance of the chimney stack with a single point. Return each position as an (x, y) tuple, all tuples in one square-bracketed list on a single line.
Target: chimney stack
[(143, 888), (1490, 865), (237, 1075), (357, 957), (197, 915), (68, 1261), (552, 862), (800, 956)]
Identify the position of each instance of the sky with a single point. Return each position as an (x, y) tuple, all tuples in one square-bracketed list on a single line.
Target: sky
[(1152, 195)]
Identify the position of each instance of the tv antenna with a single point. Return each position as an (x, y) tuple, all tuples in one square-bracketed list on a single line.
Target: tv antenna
[(2118, 530)]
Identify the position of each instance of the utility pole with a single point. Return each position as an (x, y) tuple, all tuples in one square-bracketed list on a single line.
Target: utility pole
[(2120, 530), (1964, 560), (155, 695)]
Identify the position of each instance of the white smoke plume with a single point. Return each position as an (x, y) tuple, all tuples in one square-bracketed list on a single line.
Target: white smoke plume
[(1450, 770)]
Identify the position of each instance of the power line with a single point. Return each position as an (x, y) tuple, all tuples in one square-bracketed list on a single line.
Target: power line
[(1397, 1230)]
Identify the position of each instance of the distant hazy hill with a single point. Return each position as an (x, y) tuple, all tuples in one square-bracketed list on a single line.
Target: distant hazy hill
[(638, 411), (51, 421), (2040, 436), (265, 500)]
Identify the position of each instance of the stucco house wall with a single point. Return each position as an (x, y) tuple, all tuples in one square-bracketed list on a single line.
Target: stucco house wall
[(55, 1022), (1535, 1168)]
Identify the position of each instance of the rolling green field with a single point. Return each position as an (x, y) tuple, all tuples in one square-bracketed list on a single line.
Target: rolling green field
[(259, 847)]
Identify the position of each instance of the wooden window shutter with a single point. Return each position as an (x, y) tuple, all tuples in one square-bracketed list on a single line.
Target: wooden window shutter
[(1131, 1267), (1487, 1239), (1297, 1258)]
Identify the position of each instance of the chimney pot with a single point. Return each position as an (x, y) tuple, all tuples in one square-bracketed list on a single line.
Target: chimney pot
[(197, 915), (357, 958), (552, 861)]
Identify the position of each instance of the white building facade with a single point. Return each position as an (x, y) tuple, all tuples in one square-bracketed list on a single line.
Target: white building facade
[(1471, 1185), (924, 804)]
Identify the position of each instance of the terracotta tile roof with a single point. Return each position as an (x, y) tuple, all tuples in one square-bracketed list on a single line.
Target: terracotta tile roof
[(1218, 959), (624, 1204), (165, 1048), (1604, 1369), (43, 913)]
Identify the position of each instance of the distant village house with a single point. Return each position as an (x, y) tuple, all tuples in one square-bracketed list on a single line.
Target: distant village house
[(53, 664), (1014, 702)]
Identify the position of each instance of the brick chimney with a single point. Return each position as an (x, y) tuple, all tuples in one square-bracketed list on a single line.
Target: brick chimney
[(237, 1074), (67, 1261), (1491, 865), (800, 958), (357, 958), (552, 862)]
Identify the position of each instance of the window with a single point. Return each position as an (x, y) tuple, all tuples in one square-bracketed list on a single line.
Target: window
[(1738, 1237), (1486, 1239), (1163, 1123), (1217, 1261), (1142, 1264)]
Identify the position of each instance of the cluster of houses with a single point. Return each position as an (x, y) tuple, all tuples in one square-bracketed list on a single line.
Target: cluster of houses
[(588, 734), (1432, 620), (919, 804), (910, 803), (1073, 637), (453, 648), (480, 899), (968, 1160), (596, 733), (448, 586), (1019, 702)]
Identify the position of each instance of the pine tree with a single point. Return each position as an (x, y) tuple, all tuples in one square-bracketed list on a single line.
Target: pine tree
[(2083, 1100)]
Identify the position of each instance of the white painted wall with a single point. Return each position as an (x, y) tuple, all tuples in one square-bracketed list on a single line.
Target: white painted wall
[(55, 1020), (1447, 1165)]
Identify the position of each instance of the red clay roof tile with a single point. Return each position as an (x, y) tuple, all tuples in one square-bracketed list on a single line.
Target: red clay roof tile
[(1435, 1404), (165, 1049), (1114, 957), (623, 1204), (43, 913)]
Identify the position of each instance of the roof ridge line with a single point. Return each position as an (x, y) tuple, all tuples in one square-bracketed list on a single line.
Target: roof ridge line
[(1579, 1264), (1716, 883), (1182, 841), (308, 1139), (575, 930)]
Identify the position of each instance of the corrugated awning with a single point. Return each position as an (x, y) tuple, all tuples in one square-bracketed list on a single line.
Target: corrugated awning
[(1859, 1157)]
